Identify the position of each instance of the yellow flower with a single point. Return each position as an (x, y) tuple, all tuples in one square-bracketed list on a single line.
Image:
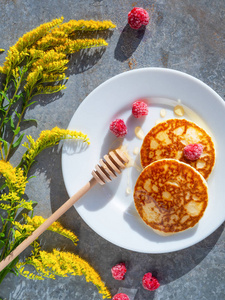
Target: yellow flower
[(19, 51), (91, 25), (50, 41), (49, 57), (72, 46), (33, 77), (14, 177), (49, 89), (36, 221), (29, 275), (11, 196), (44, 63), (17, 234), (5, 206), (49, 138), (58, 37), (13, 59), (63, 264), (25, 204), (35, 54), (28, 39), (56, 66), (52, 77)]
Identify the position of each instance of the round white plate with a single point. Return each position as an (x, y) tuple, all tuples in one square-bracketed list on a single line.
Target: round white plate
[(108, 209)]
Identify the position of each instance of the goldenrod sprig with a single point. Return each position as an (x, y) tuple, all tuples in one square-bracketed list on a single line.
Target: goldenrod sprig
[(19, 51), (82, 25), (52, 77), (62, 264), (32, 224), (48, 138), (49, 89), (71, 46), (14, 177), (16, 183)]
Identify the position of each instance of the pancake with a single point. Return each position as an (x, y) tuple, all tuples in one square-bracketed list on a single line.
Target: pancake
[(168, 139), (170, 196)]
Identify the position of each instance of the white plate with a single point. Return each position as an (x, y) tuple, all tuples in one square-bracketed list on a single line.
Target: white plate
[(108, 209)]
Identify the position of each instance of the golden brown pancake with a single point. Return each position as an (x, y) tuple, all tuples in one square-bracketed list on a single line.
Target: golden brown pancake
[(168, 139), (170, 196)]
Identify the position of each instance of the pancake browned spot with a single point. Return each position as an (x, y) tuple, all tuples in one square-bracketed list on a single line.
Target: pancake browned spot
[(168, 139), (170, 196)]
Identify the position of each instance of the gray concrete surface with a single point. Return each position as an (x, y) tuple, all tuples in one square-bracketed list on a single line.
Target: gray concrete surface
[(184, 35)]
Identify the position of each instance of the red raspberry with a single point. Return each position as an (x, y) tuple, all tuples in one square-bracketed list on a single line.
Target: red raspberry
[(193, 151), (121, 296), (149, 282), (118, 271), (118, 127), (139, 109), (138, 17)]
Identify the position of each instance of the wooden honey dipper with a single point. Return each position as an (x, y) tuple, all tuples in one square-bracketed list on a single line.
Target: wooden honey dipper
[(109, 167)]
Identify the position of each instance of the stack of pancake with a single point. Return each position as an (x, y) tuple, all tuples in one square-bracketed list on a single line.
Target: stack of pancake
[(171, 193)]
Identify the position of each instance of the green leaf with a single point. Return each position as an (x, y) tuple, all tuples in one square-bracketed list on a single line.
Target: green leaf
[(31, 103), (12, 124), (13, 231), (2, 243), (18, 97), (4, 96), (10, 219), (5, 144), (20, 70), (14, 271), (29, 120), (12, 264), (16, 144), (5, 147), (18, 114), (2, 219), (17, 131)]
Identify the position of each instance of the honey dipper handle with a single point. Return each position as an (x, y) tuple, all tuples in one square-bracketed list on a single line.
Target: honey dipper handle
[(58, 213)]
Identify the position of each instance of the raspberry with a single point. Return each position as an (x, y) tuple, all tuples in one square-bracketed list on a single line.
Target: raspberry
[(138, 17), (193, 151), (149, 282), (121, 296), (139, 109), (118, 271), (118, 127)]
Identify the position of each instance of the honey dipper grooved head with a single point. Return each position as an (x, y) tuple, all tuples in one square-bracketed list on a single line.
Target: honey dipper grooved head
[(110, 166)]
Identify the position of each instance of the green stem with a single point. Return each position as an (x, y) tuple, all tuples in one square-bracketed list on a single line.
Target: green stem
[(5, 89), (29, 164), (1, 151), (8, 269), (18, 124), (11, 101), (8, 235), (3, 273)]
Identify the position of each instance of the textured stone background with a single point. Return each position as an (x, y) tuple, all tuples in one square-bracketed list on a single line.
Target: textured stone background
[(184, 35)]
